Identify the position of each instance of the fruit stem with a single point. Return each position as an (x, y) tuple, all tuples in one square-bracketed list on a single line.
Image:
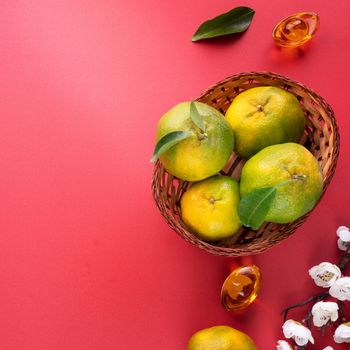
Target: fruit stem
[(212, 200), (202, 136)]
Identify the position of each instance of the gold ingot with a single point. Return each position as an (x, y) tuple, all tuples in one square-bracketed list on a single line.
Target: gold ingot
[(296, 30), (241, 288)]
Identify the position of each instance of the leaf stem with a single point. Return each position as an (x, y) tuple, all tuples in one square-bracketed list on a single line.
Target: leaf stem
[(294, 177)]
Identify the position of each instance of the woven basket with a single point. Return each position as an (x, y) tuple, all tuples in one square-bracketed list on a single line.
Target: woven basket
[(321, 137)]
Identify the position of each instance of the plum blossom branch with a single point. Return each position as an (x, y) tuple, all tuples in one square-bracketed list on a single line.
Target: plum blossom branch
[(321, 311)]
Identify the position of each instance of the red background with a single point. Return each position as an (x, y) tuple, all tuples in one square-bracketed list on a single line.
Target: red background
[(86, 261)]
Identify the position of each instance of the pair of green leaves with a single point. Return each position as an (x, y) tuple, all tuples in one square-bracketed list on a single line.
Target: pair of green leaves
[(174, 137), (234, 21)]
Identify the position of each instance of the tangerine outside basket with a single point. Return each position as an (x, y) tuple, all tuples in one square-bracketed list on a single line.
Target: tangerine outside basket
[(321, 137)]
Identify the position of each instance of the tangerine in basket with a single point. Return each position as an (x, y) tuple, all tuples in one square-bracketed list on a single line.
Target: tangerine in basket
[(264, 116), (209, 208), (295, 172), (220, 338), (205, 152)]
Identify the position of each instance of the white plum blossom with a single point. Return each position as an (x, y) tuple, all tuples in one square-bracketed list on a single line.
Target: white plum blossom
[(342, 245), (328, 348), (298, 332), (341, 289), (283, 345), (323, 311), (325, 274), (342, 333), (343, 233)]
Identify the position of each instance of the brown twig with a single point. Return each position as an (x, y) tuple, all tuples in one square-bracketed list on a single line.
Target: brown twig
[(344, 259), (317, 297)]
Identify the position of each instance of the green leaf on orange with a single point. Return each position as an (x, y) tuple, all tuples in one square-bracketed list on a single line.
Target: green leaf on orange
[(234, 21), (168, 141), (196, 117), (253, 207)]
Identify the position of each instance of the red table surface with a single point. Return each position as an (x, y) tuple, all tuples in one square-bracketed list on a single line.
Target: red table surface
[(86, 261)]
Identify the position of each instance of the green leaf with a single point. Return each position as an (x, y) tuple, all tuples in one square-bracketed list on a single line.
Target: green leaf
[(168, 141), (234, 21), (196, 117), (254, 207)]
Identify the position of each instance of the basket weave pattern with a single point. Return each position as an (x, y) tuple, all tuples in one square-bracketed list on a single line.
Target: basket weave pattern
[(321, 137)]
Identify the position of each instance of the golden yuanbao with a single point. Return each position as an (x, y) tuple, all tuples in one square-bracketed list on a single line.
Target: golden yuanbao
[(209, 208), (293, 165), (201, 155), (220, 338), (264, 116)]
